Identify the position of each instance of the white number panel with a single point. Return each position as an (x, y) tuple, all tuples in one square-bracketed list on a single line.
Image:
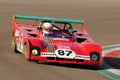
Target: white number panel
[(17, 33), (65, 53)]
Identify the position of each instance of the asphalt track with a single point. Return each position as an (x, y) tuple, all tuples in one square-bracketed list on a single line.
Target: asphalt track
[(102, 19)]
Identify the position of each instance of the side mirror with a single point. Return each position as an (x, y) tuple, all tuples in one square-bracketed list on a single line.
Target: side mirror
[(72, 31)]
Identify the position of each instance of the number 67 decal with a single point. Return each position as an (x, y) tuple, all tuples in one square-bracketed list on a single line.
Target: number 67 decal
[(65, 53)]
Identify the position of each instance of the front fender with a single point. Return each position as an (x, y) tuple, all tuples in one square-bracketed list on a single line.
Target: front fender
[(87, 47), (35, 42), (31, 43)]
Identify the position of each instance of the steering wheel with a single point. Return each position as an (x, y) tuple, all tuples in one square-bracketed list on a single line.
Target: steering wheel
[(67, 27)]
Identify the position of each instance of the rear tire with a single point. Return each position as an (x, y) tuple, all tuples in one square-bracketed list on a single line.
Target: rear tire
[(25, 52), (14, 45)]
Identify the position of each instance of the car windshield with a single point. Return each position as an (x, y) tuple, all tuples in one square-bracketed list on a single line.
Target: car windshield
[(63, 30)]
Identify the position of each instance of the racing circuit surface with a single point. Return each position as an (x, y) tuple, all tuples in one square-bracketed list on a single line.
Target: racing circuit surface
[(102, 19)]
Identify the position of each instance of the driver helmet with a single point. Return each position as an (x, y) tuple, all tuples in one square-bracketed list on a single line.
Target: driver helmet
[(47, 28)]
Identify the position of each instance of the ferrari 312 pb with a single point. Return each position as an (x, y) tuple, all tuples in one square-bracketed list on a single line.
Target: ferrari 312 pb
[(54, 40)]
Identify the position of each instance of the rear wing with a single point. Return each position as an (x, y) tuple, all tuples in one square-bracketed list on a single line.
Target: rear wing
[(61, 20)]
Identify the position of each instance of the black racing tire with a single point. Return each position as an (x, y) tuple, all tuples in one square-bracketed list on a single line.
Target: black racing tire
[(14, 45), (25, 52)]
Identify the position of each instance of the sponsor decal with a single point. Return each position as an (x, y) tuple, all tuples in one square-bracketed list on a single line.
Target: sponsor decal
[(82, 57), (63, 47), (45, 54), (61, 39)]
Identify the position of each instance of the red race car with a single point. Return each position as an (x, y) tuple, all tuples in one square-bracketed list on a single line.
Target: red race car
[(54, 40)]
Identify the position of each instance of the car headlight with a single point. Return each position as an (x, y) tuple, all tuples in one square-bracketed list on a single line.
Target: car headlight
[(35, 51), (94, 56)]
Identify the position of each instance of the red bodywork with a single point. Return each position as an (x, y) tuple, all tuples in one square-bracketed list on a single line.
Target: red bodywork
[(80, 49)]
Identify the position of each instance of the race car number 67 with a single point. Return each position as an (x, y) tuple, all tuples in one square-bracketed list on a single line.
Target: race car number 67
[(65, 53)]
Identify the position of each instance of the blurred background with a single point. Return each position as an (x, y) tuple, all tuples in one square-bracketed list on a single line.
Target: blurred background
[(102, 17)]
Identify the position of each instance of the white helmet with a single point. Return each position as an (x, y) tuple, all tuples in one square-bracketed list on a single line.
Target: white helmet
[(47, 25)]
